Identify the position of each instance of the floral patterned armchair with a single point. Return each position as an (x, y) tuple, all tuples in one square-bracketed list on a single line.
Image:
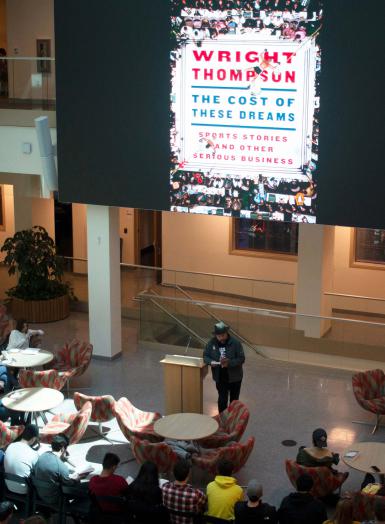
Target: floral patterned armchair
[(158, 452), (369, 390), (325, 481), (232, 425), (74, 425), (134, 422), (237, 453)]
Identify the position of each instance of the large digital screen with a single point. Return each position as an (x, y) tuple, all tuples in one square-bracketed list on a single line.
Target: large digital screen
[(262, 109), (245, 106)]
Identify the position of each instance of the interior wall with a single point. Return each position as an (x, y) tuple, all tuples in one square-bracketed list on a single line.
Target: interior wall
[(354, 280), (43, 210), (28, 21), (202, 244), (3, 29), (9, 216), (127, 234)]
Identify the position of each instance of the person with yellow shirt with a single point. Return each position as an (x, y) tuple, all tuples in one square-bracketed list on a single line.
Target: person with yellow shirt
[(223, 493), (344, 513)]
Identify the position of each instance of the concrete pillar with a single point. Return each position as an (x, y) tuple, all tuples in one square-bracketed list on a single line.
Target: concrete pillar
[(104, 300), (315, 274)]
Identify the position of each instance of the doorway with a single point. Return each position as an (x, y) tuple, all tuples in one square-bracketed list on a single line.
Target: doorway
[(148, 239)]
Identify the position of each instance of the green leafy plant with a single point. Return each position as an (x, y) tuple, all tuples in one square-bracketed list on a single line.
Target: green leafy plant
[(32, 254)]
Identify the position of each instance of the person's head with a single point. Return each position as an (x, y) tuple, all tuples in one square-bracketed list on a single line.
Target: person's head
[(110, 462), (60, 443), (35, 519), (21, 325), (3, 52), (344, 512), (148, 475), (182, 470), (379, 509), (254, 491), (225, 468), (304, 483), (6, 512), (30, 434), (320, 438), (221, 331)]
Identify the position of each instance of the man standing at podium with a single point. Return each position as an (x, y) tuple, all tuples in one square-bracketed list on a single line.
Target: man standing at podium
[(225, 356)]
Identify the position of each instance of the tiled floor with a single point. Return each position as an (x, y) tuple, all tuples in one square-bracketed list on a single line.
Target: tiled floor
[(286, 401)]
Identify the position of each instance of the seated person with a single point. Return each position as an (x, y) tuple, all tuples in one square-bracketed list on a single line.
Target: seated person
[(145, 502), (318, 454), (379, 512), (20, 458), (301, 507), (223, 492), (6, 512), (17, 417), (343, 514), (254, 511), (20, 337), (180, 498), (108, 484), (51, 467)]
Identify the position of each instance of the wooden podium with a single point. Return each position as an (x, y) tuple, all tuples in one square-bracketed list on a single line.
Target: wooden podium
[(183, 384)]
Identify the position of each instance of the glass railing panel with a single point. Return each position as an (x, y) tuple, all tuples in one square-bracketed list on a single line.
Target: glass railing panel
[(29, 83)]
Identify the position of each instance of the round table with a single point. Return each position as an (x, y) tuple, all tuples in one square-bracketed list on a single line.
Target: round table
[(27, 358), (186, 426), (33, 400), (370, 454)]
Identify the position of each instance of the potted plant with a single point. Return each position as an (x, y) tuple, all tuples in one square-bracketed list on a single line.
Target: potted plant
[(40, 294)]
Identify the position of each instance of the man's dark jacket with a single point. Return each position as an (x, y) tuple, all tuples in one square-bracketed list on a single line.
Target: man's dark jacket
[(301, 508), (235, 354)]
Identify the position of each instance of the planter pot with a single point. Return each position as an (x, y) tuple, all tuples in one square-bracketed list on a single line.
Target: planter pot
[(41, 311)]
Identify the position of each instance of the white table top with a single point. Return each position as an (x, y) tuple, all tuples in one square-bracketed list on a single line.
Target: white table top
[(33, 399), (27, 358), (370, 454), (186, 426)]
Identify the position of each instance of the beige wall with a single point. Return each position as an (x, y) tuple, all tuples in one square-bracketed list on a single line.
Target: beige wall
[(201, 243), (9, 216), (27, 21)]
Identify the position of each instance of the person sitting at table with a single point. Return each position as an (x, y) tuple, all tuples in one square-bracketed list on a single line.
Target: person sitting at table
[(51, 467), (17, 417), (21, 336), (182, 500), (223, 493), (318, 454), (343, 514), (109, 484), (145, 502), (20, 458)]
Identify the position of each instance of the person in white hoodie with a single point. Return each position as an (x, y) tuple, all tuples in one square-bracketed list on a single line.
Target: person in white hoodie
[(20, 337)]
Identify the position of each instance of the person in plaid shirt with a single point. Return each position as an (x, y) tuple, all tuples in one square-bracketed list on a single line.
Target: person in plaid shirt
[(180, 497)]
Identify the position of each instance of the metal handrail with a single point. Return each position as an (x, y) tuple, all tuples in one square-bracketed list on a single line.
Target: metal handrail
[(178, 321), (219, 275), (264, 311), (212, 315), (30, 58), (361, 297)]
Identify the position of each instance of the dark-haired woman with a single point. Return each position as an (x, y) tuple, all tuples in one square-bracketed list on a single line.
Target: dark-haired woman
[(145, 496)]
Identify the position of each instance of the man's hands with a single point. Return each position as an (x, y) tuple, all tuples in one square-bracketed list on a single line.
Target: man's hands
[(224, 362)]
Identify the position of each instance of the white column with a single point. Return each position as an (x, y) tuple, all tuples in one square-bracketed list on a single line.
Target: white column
[(104, 301), (315, 274)]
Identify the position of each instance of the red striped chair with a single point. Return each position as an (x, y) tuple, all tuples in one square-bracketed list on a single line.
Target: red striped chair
[(237, 453), (134, 422), (369, 390), (45, 379), (325, 481), (158, 452), (73, 358), (9, 434), (232, 425), (363, 506), (102, 407), (74, 425)]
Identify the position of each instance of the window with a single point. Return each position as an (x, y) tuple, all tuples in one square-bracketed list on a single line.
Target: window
[(260, 238), (369, 246)]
